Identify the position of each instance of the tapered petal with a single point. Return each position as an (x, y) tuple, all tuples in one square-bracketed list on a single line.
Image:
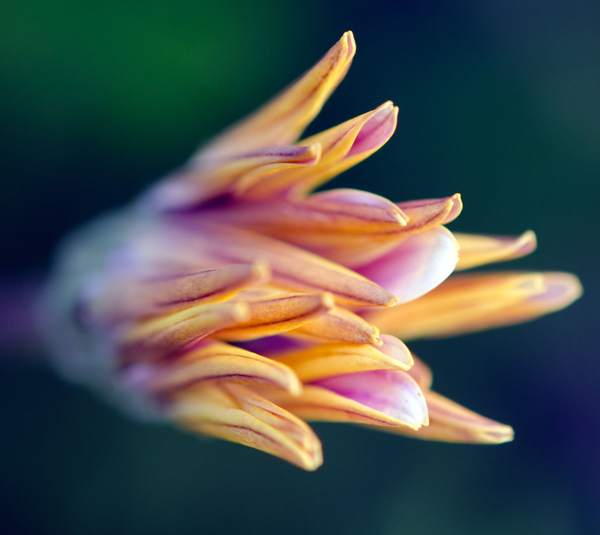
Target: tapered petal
[(341, 148), (164, 336), (417, 265), (318, 219), (339, 325), (326, 360), (234, 413), (202, 181), (477, 250), (125, 297), (382, 397), (368, 242), (468, 303), (282, 120), (275, 315), (451, 422), (425, 213), (215, 361), (292, 267)]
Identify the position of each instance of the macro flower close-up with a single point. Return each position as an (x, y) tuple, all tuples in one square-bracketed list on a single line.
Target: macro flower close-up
[(238, 300)]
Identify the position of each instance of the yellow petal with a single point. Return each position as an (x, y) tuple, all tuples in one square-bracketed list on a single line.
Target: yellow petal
[(477, 250), (358, 248), (451, 422), (292, 267), (214, 361), (159, 337), (276, 315), (325, 360), (339, 325), (341, 148), (468, 303), (202, 181), (234, 413), (284, 118), (123, 297), (427, 213), (320, 218)]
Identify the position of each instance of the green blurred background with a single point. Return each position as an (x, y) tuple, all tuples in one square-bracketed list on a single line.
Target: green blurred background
[(499, 101)]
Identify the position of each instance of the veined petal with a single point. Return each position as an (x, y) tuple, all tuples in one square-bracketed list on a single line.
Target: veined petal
[(215, 361), (477, 249), (382, 397), (202, 181), (425, 213), (275, 315), (417, 265), (292, 267), (329, 214), (234, 413), (341, 148), (358, 248), (327, 360), (125, 297), (284, 118), (160, 337), (469, 303), (451, 422), (339, 325)]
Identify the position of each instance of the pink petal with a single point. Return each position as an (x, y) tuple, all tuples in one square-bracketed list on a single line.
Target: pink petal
[(416, 266)]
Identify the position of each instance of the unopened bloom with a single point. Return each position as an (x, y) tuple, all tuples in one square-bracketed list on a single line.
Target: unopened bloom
[(232, 300)]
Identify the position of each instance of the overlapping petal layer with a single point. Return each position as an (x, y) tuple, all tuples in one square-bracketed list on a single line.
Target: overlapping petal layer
[(236, 302)]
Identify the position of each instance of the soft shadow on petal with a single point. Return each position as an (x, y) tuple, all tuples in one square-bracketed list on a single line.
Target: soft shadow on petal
[(415, 266)]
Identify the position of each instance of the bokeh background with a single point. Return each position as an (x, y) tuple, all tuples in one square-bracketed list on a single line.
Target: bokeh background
[(499, 101)]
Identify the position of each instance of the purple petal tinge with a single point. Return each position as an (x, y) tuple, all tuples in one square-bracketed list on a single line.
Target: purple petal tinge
[(234, 301)]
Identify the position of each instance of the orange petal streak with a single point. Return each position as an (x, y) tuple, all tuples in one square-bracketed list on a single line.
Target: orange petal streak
[(477, 250), (469, 303)]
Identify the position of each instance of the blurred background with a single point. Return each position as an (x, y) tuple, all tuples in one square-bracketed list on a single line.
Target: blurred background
[(499, 101)]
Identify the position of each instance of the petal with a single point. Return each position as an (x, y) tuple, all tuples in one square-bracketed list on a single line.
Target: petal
[(451, 422), (341, 148), (234, 413), (202, 181), (117, 298), (469, 303), (284, 118), (163, 336), (477, 250), (339, 325), (383, 397), (326, 360), (364, 245), (275, 315), (417, 265), (322, 217), (215, 361), (292, 267), (425, 213)]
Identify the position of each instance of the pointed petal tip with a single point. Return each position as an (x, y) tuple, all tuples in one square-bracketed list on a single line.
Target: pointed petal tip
[(457, 206), (378, 129)]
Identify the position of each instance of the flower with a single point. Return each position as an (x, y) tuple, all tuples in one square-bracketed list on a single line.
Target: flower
[(233, 301)]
